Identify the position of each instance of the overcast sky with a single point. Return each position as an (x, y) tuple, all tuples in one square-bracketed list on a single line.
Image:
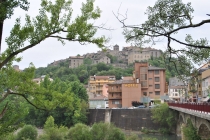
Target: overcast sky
[(50, 50)]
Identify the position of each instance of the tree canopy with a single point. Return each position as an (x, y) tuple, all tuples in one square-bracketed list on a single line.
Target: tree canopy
[(165, 20), (53, 21)]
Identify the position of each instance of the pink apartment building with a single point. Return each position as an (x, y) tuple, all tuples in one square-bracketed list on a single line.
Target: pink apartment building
[(147, 82)]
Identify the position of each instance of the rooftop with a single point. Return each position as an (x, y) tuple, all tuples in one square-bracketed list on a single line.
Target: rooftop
[(155, 68), (121, 82)]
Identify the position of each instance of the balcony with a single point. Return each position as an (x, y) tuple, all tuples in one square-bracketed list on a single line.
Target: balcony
[(98, 89), (98, 85), (114, 90), (114, 97)]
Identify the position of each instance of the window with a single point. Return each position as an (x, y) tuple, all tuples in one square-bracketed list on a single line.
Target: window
[(157, 86), (112, 94), (115, 102), (157, 79), (150, 92), (157, 92), (156, 71), (143, 70), (144, 83), (143, 76), (145, 93)]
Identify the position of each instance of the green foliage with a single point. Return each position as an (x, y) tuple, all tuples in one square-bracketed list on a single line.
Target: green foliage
[(9, 136), (52, 131), (83, 72), (132, 137), (99, 131), (112, 58), (7, 7), (87, 61), (79, 132), (172, 69), (164, 20), (66, 102), (190, 132), (53, 19), (144, 130), (27, 132), (164, 116)]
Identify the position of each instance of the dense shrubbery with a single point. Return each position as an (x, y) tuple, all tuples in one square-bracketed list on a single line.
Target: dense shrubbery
[(98, 131), (190, 132), (27, 132), (67, 103), (165, 117), (82, 72)]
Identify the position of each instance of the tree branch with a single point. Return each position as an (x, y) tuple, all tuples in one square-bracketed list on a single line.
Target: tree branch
[(5, 61), (3, 111), (19, 94)]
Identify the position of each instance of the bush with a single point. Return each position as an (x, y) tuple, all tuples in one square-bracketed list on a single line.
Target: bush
[(164, 116), (52, 131), (79, 132), (190, 132), (27, 132), (9, 136), (132, 137), (115, 134), (99, 131)]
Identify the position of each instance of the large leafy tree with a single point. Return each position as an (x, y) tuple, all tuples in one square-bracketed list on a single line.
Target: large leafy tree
[(53, 21), (65, 101), (166, 19), (7, 10)]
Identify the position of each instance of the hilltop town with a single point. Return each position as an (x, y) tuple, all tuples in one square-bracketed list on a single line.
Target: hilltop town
[(128, 55)]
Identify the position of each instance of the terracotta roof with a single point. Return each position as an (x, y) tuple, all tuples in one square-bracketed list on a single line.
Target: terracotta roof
[(103, 77), (121, 82)]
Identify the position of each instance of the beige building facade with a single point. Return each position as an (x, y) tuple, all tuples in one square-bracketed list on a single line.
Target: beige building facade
[(98, 84), (102, 59), (75, 61), (137, 54)]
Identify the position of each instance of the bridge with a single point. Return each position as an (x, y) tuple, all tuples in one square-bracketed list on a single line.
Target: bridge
[(198, 113)]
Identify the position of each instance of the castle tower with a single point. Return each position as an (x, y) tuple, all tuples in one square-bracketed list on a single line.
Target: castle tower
[(116, 48)]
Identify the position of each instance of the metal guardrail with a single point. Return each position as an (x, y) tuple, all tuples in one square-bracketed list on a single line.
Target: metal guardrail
[(202, 107)]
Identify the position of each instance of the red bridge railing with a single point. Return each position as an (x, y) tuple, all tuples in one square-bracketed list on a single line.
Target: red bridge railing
[(202, 107)]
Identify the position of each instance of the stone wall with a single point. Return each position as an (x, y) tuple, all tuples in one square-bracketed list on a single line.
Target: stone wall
[(128, 119)]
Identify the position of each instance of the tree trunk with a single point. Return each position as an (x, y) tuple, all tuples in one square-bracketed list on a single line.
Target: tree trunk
[(1, 31)]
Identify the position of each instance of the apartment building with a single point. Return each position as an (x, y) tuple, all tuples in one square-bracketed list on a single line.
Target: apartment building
[(98, 84), (147, 82), (75, 61), (177, 89), (205, 83)]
